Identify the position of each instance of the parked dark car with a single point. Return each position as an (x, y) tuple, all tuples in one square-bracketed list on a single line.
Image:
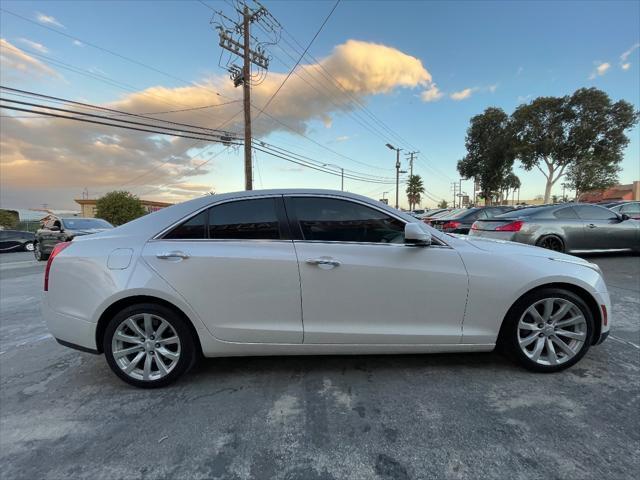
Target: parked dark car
[(11, 240), (630, 209), (575, 228), (55, 230), (461, 221)]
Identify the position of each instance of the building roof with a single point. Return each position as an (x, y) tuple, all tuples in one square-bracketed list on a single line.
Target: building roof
[(150, 203)]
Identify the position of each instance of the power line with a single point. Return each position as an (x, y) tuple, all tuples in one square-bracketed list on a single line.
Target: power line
[(300, 59), (185, 133)]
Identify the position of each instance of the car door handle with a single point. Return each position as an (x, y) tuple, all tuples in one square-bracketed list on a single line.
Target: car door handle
[(172, 255), (591, 225), (323, 261)]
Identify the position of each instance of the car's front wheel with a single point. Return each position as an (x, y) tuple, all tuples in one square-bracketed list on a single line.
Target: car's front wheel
[(28, 247), (149, 345), (548, 330)]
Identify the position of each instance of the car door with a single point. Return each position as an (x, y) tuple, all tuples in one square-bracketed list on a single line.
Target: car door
[(361, 284), (5, 242), (604, 230), (236, 265)]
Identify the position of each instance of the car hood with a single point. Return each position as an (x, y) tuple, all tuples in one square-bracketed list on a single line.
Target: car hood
[(505, 247)]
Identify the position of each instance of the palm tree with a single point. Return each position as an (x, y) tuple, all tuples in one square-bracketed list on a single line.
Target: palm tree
[(415, 189)]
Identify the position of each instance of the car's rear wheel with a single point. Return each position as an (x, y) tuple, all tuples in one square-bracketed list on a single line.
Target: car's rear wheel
[(551, 242), (149, 345), (548, 330), (28, 247), (38, 253)]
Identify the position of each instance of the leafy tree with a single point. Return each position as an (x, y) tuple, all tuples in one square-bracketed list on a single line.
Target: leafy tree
[(510, 183), (8, 219), (119, 207), (415, 190), (443, 204), (491, 151), (566, 135)]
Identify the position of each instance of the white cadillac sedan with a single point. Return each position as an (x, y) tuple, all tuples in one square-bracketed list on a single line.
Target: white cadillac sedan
[(296, 272)]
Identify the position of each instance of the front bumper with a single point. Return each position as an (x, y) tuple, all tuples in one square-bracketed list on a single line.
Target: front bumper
[(603, 337)]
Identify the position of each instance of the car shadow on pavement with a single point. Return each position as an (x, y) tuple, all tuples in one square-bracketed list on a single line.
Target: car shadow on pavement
[(344, 364)]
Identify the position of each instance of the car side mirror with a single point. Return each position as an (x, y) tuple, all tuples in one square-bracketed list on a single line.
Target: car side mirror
[(624, 217), (415, 235)]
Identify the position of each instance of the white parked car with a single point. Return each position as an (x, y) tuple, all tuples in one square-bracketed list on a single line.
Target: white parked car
[(296, 272)]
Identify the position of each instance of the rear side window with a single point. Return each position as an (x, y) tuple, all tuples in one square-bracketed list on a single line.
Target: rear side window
[(240, 220), (334, 220), (593, 212), (245, 220), (192, 228), (567, 213)]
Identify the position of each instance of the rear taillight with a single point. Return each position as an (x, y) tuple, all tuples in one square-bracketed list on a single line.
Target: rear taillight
[(56, 250), (510, 227), (474, 226), (451, 225)]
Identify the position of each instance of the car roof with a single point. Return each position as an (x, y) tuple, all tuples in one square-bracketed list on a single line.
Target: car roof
[(160, 219)]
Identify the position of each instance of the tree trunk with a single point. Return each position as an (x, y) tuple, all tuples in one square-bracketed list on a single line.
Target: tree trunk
[(547, 190)]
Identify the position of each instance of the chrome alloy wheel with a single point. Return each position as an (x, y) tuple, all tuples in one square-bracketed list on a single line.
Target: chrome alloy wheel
[(146, 347), (552, 331)]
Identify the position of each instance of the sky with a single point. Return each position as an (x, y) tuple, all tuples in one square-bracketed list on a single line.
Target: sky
[(415, 73)]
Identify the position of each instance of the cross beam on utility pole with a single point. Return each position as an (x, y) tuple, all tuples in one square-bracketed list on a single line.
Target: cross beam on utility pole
[(237, 40)]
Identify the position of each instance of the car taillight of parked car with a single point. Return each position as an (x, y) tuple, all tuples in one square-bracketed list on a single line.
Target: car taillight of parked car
[(510, 227), (451, 225), (56, 250)]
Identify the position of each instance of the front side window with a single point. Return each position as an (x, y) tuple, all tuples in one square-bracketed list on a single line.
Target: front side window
[(593, 212), (631, 209), (334, 220), (245, 220)]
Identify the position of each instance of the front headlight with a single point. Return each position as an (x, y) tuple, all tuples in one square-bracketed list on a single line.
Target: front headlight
[(590, 265)]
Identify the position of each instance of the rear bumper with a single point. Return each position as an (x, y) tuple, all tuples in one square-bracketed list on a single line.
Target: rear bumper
[(70, 331)]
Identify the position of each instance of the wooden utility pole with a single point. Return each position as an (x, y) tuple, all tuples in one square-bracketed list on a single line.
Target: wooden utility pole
[(237, 40), (246, 88)]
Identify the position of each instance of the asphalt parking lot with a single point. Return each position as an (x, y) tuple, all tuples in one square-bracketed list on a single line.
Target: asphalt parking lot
[(63, 414)]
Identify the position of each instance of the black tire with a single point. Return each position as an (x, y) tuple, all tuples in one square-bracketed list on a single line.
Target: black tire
[(508, 339), (38, 253), (28, 246), (551, 242), (188, 350)]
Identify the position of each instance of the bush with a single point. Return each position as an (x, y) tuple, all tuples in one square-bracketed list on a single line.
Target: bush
[(8, 219)]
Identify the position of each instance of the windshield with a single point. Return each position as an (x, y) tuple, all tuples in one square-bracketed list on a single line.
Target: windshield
[(85, 223)]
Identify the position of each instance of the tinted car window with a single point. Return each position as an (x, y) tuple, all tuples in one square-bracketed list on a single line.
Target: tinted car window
[(458, 214), (523, 212), (328, 219), (3, 235), (566, 213), (592, 212), (192, 228), (245, 220), (85, 223), (631, 209)]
